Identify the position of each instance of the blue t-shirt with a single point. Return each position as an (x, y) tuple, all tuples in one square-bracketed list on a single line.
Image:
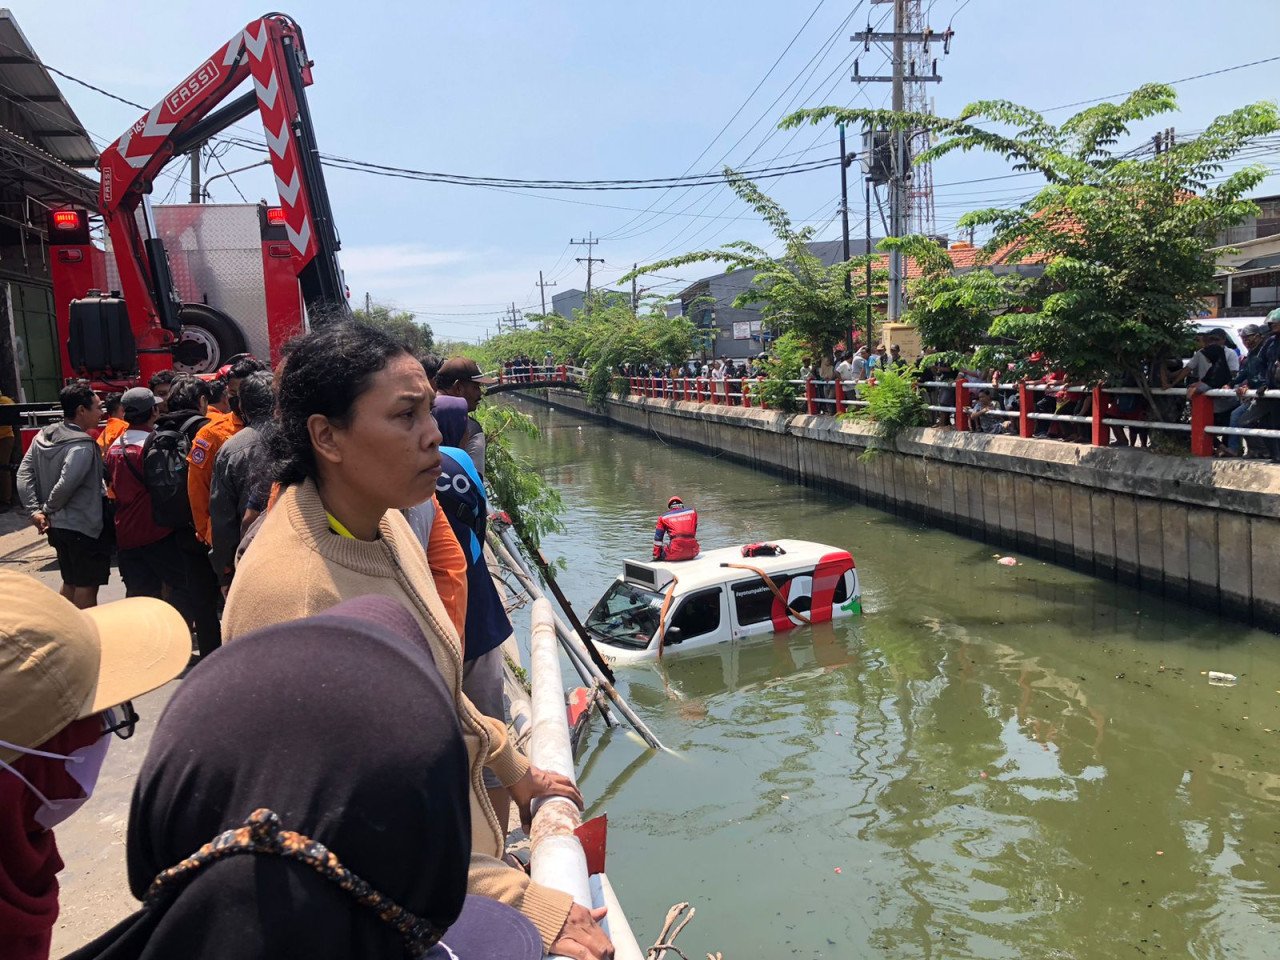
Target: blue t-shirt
[(461, 494)]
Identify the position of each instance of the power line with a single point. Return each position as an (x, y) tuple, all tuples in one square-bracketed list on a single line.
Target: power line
[(956, 14), (511, 183), (743, 105), (772, 133), (1197, 76), (811, 67), (799, 94)]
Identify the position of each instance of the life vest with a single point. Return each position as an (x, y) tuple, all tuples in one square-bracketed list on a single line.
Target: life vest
[(681, 527)]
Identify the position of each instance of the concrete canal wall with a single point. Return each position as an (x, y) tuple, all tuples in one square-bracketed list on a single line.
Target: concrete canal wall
[(1205, 531)]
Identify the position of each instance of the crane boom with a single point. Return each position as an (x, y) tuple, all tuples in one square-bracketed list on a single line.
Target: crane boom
[(269, 51)]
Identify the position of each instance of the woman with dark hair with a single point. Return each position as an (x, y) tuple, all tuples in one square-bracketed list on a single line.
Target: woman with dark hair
[(354, 444), (283, 812)]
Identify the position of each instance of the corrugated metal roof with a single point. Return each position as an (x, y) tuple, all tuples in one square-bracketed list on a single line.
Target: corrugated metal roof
[(39, 175), (1268, 262), (26, 83)]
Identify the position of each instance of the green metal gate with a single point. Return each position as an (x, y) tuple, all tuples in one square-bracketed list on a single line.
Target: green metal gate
[(35, 332)]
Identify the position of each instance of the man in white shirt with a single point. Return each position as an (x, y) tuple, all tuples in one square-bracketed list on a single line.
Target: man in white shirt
[(844, 369), (858, 367)]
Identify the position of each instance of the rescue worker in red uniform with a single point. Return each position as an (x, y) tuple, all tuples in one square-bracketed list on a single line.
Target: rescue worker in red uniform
[(676, 536)]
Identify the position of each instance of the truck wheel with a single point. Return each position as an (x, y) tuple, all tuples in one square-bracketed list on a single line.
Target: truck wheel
[(209, 338)]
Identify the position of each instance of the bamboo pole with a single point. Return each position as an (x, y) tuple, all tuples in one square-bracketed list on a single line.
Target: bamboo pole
[(624, 708), (576, 658)]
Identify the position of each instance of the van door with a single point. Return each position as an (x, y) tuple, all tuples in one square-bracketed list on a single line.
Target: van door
[(699, 619), (757, 610)]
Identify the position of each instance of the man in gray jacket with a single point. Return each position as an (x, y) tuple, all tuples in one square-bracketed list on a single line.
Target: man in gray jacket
[(241, 464), (60, 485)]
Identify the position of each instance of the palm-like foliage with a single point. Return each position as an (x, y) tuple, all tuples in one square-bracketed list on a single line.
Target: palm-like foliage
[(1124, 237), (796, 291)]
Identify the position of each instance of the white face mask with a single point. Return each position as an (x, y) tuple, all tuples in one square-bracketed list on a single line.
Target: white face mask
[(83, 765)]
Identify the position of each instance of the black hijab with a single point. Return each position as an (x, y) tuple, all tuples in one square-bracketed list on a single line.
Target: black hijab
[(340, 724)]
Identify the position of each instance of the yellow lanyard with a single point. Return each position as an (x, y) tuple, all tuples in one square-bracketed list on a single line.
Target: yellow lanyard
[(336, 526)]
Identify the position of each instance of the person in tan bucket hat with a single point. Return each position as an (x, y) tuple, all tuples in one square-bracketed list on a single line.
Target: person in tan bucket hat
[(62, 670)]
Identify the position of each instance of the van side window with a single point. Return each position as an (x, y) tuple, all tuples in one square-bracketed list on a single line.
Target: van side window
[(753, 600), (699, 614)]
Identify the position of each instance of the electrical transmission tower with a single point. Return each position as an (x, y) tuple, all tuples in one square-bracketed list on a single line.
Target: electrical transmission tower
[(912, 47), (921, 214)]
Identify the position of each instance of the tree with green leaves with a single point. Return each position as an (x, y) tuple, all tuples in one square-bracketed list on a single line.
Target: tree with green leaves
[(1124, 237), (796, 291), (954, 312), (533, 504), (401, 324), (602, 340), (612, 336)]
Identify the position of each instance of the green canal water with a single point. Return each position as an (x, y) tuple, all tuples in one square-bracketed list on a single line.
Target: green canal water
[(992, 762)]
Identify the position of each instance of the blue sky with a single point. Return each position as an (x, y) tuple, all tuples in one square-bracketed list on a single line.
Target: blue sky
[(592, 90)]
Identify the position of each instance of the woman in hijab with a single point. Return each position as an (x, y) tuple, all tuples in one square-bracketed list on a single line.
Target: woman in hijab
[(355, 443), (284, 812)]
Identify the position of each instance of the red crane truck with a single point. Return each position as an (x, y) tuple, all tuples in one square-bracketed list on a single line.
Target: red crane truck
[(121, 312)]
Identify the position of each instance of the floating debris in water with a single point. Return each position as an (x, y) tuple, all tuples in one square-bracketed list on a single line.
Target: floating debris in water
[(1007, 561), (1218, 678)]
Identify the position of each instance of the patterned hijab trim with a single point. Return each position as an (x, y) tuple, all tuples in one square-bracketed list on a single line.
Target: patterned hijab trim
[(261, 834)]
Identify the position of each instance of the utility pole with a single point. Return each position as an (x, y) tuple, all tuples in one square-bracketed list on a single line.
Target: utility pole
[(517, 318), (542, 286), (845, 159), (368, 305), (897, 186), (589, 243), (195, 175), (635, 294), (908, 29), (868, 234)]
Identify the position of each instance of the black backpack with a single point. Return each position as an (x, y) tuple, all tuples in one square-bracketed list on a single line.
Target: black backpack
[(164, 469), (1218, 375)]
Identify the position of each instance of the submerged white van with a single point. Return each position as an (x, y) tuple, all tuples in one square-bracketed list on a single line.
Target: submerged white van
[(722, 595)]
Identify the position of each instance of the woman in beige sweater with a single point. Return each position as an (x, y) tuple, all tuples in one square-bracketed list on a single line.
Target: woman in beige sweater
[(354, 443)]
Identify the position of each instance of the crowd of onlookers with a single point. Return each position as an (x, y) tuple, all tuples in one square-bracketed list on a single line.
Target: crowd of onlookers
[(1061, 410), (333, 777), (1242, 379)]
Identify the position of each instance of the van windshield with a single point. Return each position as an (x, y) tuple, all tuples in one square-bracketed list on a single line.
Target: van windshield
[(626, 615)]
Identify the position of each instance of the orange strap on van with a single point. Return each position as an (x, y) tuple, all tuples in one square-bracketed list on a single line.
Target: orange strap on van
[(662, 615), (772, 586)]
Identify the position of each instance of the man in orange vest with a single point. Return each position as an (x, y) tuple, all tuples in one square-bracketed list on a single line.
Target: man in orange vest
[(116, 425), (207, 443), (676, 535)]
